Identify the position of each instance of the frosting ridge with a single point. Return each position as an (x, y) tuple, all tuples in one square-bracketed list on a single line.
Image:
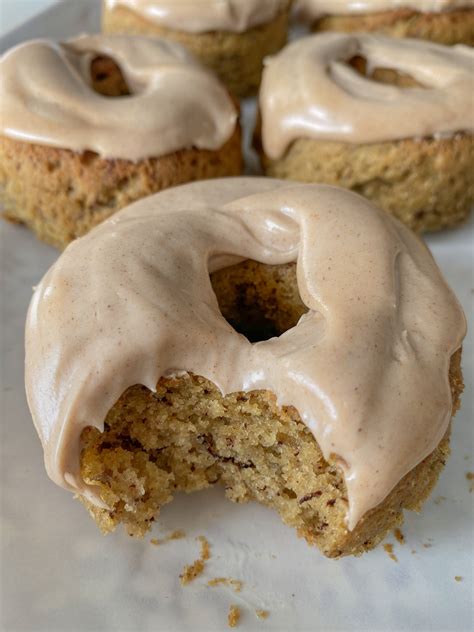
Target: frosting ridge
[(46, 98), (206, 15), (313, 9), (327, 99), (366, 367)]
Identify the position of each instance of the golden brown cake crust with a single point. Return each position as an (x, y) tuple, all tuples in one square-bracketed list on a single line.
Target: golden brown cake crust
[(427, 183), (61, 194), (187, 436), (236, 58), (451, 27)]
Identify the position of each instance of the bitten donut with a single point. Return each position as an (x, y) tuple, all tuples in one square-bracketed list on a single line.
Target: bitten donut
[(443, 21), (92, 124), (390, 119), (230, 36), (334, 404)]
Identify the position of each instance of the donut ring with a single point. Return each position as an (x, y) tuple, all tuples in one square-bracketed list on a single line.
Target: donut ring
[(329, 100), (132, 302), (175, 103), (389, 119)]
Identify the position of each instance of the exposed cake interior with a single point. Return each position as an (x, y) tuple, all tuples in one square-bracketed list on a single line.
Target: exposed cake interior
[(186, 436)]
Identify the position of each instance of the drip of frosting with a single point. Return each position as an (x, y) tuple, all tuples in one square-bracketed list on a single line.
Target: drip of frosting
[(366, 367), (313, 9), (46, 98), (327, 99), (206, 15)]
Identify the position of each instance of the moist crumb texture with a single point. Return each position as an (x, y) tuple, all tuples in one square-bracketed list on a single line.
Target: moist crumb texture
[(61, 194), (451, 27), (186, 437), (237, 58)]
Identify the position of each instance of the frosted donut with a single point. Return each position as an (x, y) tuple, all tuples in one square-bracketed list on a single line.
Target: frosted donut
[(390, 119), (139, 386), (70, 155), (230, 36), (443, 21)]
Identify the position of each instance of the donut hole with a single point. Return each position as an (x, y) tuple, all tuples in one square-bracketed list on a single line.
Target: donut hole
[(383, 75), (107, 78), (259, 301)]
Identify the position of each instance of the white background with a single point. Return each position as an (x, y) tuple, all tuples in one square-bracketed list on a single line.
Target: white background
[(58, 574)]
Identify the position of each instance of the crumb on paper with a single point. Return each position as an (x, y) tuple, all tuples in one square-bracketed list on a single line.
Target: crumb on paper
[(427, 545), (458, 578), (179, 534), (399, 536), (439, 499), (235, 584), (233, 617), (205, 548), (413, 551), (191, 571), (196, 569), (389, 549), (470, 478), (262, 614)]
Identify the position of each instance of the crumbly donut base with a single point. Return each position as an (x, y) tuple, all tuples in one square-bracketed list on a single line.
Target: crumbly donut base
[(425, 183), (237, 58), (61, 194), (186, 436), (451, 27)]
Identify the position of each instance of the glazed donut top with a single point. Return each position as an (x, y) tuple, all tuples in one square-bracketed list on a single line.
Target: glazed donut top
[(366, 367), (205, 15), (46, 98), (313, 9), (327, 99)]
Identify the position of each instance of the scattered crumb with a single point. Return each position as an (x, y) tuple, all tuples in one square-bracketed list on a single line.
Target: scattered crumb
[(262, 614), (427, 545), (389, 549), (413, 551), (467, 457), (470, 477), (192, 571), (175, 535), (233, 617), (205, 548), (235, 584), (196, 569), (439, 500), (458, 578), (399, 536)]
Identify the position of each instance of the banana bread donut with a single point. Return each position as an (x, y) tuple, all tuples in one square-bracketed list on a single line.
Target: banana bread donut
[(230, 36), (71, 155), (390, 119), (443, 21), (289, 341)]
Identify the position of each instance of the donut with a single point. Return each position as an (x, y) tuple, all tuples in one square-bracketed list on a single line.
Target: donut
[(442, 21), (90, 125), (389, 119), (230, 36), (289, 341)]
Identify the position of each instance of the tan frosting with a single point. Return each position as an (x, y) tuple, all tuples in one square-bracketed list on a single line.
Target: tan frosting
[(366, 367), (46, 98), (199, 16), (327, 99), (313, 9)]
